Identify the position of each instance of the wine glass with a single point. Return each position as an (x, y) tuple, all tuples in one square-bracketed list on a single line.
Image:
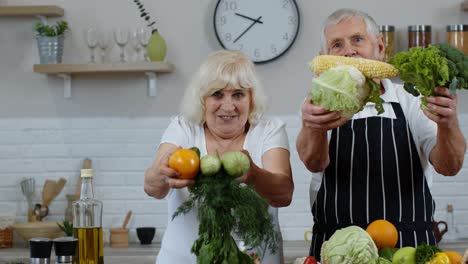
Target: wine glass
[(103, 44), (144, 36), (135, 43), (91, 38), (121, 38)]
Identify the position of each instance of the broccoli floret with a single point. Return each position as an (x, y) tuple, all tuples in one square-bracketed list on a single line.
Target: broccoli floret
[(457, 62)]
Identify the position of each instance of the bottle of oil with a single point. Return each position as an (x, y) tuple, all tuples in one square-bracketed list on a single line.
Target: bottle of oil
[(87, 223)]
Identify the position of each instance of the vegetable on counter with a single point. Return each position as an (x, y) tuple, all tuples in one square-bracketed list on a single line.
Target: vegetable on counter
[(384, 233), (350, 245), (404, 255), (310, 260), (423, 69), (425, 252), (226, 207)]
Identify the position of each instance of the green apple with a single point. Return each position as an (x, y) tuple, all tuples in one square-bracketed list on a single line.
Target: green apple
[(405, 255)]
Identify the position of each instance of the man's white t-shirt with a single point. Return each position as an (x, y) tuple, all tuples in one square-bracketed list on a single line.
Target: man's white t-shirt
[(181, 232)]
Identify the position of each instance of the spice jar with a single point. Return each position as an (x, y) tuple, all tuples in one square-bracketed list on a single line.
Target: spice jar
[(388, 36), (456, 36), (419, 36)]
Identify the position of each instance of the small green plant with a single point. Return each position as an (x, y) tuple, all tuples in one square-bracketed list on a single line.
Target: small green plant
[(66, 227), (51, 30), (146, 16)]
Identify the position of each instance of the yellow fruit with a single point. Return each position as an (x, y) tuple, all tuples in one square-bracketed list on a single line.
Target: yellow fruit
[(383, 233), (454, 257), (440, 258)]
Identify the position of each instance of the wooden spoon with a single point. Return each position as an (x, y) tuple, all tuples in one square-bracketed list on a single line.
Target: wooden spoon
[(127, 218)]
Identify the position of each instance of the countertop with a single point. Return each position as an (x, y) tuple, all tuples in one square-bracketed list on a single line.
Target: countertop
[(146, 254)]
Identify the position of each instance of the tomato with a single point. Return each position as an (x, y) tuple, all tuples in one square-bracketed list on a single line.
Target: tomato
[(186, 162), (310, 260)]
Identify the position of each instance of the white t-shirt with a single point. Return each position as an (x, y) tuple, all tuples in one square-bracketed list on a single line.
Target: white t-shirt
[(423, 129), (181, 232)]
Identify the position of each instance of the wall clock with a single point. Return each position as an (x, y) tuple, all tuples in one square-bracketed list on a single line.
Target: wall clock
[(262, 29)]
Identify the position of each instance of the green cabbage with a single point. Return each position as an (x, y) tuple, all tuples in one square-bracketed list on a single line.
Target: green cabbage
[(350, 245), (342, 88)]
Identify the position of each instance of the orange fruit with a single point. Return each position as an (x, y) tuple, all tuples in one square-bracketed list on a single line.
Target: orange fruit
[(186, 162), (383, 233), (454, 257)]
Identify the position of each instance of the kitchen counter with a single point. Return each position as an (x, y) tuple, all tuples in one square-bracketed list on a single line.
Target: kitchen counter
[(146, 254)]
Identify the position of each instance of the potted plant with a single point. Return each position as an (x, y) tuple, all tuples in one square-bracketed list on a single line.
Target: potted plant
[(156, 46), (50, 41)]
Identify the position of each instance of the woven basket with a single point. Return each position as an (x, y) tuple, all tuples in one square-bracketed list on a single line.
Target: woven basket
[(6, 238)]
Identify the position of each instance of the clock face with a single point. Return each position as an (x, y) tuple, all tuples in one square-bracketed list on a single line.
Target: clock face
[(262, 29)]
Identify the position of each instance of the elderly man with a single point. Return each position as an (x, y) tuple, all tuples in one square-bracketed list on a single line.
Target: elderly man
[(374, 166)]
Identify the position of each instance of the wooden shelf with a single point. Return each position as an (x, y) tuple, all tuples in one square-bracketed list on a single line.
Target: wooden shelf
[(464, 5), (65, 71), (45, 10), (157, 67)]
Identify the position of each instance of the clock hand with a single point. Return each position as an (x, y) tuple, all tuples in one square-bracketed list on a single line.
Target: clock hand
[(249, 18), (247, 29)]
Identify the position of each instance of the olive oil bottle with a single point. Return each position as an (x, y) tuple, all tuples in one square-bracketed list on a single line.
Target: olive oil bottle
[(87, 223)]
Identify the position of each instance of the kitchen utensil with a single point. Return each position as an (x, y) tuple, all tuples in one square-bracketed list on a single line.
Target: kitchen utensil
[(119, 236), (48, 229), (145, 234), (28, 188), (127, 218), (50, 190), (86, 165)]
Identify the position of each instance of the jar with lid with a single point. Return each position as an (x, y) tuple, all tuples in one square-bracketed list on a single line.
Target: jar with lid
[(388, 37), (456, 36), (419, 36)]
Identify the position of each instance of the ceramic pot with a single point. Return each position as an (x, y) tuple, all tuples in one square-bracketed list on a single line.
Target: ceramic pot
[(156, 48), (145, 234)]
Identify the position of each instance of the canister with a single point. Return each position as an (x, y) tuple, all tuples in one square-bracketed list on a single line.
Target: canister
[(388, 37), (39, 249), (419, 36), (457, 36)]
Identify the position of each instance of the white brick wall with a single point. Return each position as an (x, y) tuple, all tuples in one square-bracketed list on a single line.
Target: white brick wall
[(121, 149)]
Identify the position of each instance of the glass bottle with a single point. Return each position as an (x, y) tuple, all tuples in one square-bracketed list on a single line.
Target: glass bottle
[(87, 223), (456, 36), (452, 230), (388, 37), (419, 36)]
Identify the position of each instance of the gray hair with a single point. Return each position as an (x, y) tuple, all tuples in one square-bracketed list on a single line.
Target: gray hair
[(345, 13), (220, 69)]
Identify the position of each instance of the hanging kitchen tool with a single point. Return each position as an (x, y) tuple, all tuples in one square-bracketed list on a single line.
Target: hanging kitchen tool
[(28, 189), (50, 190)]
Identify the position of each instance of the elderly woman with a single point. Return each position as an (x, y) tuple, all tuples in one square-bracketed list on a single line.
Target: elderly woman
[(222, 111)]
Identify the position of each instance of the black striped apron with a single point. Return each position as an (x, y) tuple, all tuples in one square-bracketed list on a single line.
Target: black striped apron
[(374, 173)]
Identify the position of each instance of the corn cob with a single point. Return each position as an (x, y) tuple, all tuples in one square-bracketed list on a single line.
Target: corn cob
[(370, 68)]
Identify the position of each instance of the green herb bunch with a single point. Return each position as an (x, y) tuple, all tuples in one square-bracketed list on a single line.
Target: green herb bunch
[(51, 30), (226, 207), (66, 227), (145, 15)]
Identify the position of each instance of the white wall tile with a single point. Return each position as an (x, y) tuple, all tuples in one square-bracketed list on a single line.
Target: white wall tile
[(122, 148)]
